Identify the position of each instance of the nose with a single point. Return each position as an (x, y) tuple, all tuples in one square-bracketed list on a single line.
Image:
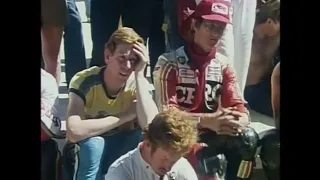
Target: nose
[(128, 65)]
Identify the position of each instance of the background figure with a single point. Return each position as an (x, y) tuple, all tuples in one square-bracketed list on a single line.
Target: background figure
[(88, 10), (157, 37), (170, 11), (235, 44), (53, 19), (75, 57), (105, 17)]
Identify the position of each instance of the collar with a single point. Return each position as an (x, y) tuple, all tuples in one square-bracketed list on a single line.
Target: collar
[(144, 165)]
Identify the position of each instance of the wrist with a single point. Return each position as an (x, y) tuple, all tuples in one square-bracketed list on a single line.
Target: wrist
[(139, 74)]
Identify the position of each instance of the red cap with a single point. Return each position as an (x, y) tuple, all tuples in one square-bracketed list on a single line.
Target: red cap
[(214, 10)]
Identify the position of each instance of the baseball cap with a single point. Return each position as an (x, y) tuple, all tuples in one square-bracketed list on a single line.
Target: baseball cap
[(213, 10)]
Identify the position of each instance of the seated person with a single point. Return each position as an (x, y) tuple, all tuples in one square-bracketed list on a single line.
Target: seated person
[(159, 156), (265, 55), (107, 108), (270, 143), (50, 127), (205, 89)]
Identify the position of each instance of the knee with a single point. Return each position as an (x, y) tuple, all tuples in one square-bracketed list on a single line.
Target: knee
[(270, 150), (247, 143), (93, 144)]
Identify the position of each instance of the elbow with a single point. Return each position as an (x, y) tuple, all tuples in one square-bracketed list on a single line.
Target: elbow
[(74, 133)]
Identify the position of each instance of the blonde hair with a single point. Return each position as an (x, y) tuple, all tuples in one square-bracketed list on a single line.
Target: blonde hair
[(123, 35), (170, 130)]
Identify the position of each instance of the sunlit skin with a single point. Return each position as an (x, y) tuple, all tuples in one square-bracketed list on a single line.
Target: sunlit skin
[(270, 28), (120, 65), (161, 160), (208, 34)]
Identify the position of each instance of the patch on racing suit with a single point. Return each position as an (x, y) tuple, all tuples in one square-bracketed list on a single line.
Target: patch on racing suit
[(213, 85)]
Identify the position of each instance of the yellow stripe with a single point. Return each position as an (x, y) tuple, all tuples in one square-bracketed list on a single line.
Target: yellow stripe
[(163, 83), (76, 163), (244, 170)]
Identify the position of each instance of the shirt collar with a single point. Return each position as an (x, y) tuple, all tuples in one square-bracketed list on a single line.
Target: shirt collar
[(144, 164)]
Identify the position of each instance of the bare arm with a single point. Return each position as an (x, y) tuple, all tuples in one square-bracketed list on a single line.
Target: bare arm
[(275, 94), (146, 107), (78, 128)]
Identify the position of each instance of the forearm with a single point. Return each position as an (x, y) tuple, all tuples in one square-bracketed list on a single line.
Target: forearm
[(79, 129), (146, 107)]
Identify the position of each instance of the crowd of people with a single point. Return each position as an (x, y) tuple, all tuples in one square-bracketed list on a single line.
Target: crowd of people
[(211, 63)]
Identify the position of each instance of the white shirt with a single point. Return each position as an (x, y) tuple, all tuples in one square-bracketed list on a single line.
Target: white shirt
[(131, 166), (49, 90)]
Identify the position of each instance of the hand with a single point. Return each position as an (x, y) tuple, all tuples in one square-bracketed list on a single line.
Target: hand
[(242, 119), (129, 115), (143, 55)]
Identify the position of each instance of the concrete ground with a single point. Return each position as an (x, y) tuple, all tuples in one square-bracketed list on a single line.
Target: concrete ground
[(260, 123)]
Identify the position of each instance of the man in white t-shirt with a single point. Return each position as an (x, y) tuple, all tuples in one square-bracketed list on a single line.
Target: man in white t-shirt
[(159, 156)]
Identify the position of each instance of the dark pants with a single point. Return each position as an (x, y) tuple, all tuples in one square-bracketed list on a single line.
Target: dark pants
[(238, 151), (258, 97), (105, 16), (157, 44), (270, 154), (170, 10), (50, 160), (75, 58)]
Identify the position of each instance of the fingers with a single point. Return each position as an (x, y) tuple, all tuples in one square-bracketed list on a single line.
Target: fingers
[(232, 130), (225, 118), (237, 113)]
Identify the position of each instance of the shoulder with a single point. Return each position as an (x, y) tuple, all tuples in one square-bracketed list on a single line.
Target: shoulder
[(184, 170), (87, 78), (123, 166)]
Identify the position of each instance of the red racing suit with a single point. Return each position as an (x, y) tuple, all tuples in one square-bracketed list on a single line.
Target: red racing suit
[(175, 82)]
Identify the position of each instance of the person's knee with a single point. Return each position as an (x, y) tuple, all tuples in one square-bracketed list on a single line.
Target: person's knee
[(247, 143), (270, 154)]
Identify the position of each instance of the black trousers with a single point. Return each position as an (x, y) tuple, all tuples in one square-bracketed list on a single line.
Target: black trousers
[(105, 15), (50, 160), (225, 156)]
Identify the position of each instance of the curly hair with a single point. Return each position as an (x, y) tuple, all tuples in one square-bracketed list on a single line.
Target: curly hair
[(123, 35), (170, 130), (267, 9)]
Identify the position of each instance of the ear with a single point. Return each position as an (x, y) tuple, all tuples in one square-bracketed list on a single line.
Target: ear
[(107, 55)]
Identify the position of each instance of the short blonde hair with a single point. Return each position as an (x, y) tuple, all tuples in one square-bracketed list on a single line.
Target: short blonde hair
[(123, 35), (170, 130)]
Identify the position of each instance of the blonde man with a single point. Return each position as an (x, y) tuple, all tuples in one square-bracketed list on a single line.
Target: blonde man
[(108, 106), (159, 156)]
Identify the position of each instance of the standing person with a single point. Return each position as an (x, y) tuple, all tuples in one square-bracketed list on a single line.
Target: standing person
[(166, 140), (157, 36), (264, 57), (50, 128), (107, 108), (53, 19), (74, 49), (105, 17), (270, 143), (205, 88)]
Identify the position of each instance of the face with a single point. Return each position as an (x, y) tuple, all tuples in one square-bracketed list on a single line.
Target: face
[(269, 28), (208, 34), (121, 62), (161, 160)]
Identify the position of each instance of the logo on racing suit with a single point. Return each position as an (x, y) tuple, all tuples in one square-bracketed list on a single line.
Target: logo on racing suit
[(182, 60)]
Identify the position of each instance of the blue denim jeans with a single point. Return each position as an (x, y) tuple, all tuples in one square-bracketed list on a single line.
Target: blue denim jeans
[(92, 157), (170, 11), (75, 57)]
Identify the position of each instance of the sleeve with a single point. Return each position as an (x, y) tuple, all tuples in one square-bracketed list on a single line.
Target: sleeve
[(165, 81), (77, 86), (117, 173), (231, 94), (186, 171)]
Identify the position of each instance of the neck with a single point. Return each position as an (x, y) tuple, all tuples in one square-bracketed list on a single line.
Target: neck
[(144, 154), (197, 48), (113, 86)]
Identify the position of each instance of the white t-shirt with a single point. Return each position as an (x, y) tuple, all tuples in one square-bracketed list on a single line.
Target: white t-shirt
[(49, 102), (131, 166)]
